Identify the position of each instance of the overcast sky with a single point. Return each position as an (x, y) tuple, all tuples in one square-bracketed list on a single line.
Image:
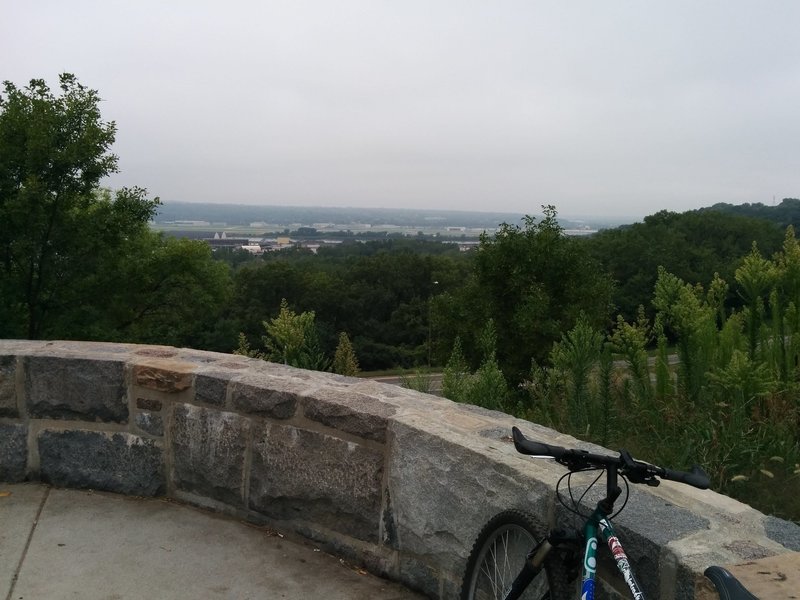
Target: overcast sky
[(597, 107)]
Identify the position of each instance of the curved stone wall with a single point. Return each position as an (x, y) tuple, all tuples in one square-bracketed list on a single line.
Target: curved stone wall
[(397, 480)]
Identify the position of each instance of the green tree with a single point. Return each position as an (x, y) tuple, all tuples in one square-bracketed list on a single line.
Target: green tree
[(456, 374), (534, 283), (692, 245), (157, 290), (485, 387), (755, 277), (345, 361), (576, 355), (630, 340), (291, 339), (56, 228)]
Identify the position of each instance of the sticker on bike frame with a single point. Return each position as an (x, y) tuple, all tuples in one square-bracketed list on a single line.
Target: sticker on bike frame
[(587, 591), (623, 564), (589, 568)]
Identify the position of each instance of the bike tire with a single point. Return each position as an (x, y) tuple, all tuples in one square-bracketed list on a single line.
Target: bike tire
[(499, 554)]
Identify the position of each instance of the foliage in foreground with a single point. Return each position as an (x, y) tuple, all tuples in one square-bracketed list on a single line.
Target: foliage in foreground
[(723, 389), (292, 339)]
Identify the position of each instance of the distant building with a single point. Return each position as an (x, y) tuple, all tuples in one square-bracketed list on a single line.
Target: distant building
[(221, 240), (191, 223)]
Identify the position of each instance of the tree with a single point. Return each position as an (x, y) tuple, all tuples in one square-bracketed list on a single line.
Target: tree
[(56, 227), (692, 245), (291, 339), (486, 386), (345, 361), (534, 283), (157, 290)]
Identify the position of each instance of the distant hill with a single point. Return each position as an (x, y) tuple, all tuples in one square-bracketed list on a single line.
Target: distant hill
[(244, 214), (784, 214)]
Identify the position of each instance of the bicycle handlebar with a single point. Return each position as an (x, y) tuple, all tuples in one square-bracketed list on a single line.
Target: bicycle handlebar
[(636, 471), (695, 478)]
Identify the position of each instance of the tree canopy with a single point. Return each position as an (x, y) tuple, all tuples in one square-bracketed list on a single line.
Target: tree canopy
[(533, 282), (693, 245), (74, 257)]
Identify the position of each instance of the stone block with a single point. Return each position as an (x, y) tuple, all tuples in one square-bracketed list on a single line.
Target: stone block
[(211, 389), (13, 452), (156, 351), (260, 400), (209, 452), (76, 389), (8, 389), (784, 532), (169, 376), (307, 475), (444, 489), (150, 423), (149, 404), (115, 462), (354, 413)]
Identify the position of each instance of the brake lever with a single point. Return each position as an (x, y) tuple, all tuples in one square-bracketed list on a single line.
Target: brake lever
[(638, 472)]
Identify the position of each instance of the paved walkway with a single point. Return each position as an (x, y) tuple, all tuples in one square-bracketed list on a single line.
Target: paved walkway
[(68, 544)]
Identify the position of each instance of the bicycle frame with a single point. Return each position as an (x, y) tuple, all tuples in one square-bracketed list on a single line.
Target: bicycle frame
[(599, 526)]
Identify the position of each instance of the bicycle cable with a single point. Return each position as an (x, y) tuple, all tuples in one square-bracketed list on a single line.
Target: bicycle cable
[(574, 509)]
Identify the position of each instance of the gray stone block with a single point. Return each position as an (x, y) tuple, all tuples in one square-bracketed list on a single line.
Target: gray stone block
[(209, 452), (307, 475), (150, 423), (13, 452), (115, 462), (149, 404), (76, 389), (8, 391), (655, 520), (444, 492), (211, 389), (349, 411), (783, 532), (263, 401)]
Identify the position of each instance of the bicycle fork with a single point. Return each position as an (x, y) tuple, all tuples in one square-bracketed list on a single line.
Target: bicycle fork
[(534, 562)]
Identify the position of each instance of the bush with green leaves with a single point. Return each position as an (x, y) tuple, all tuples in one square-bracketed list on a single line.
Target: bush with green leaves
[(291, 339), (486, 386)]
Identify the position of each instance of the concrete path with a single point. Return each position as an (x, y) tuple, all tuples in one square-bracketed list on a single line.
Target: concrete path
[(73, 544)]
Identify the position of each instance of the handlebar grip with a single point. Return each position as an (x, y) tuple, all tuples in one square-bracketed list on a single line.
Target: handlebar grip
[(696, 477), (526, 446)]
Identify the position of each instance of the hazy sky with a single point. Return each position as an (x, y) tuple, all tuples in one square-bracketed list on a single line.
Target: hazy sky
[(598, 107)]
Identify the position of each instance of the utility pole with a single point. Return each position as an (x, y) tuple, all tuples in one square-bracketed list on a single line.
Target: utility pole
[(430, 326)]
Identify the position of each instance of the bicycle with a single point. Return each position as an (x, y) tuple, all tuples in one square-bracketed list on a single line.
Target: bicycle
[(510, 554)]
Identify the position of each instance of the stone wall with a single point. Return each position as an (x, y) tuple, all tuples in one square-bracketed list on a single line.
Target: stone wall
[(396, 480)]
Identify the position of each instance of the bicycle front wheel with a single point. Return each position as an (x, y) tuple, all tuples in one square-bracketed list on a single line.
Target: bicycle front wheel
[(498, 557)]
